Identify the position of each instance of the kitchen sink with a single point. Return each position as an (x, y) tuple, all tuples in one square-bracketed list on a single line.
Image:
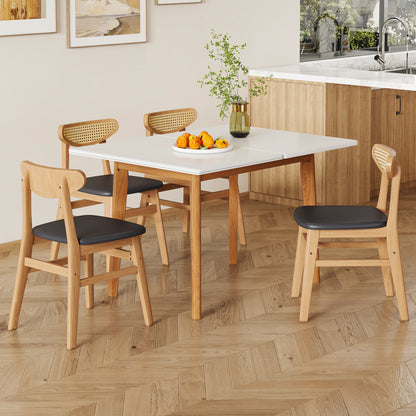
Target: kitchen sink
[(411, 70)]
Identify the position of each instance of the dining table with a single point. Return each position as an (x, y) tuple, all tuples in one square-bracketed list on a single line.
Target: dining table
[(157, 156)]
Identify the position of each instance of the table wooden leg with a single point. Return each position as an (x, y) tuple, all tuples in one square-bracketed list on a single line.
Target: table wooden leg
[(307, 173), (195, 201), (233, 219), (186, 220), (118, 211)]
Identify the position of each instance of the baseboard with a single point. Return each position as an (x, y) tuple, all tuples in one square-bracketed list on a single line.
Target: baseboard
[(403, 187), (6, 248), (278, 200)]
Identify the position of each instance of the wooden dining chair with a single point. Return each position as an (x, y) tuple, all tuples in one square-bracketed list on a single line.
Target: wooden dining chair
[(99, 189), (84, 236), (379, 225), (172, 121)]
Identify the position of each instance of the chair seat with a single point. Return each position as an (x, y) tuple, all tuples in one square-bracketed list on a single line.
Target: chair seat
[(334, 217), (103, 185), (90, 229)]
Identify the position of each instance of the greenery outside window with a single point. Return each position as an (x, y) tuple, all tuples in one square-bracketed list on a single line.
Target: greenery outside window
[(336, 28)]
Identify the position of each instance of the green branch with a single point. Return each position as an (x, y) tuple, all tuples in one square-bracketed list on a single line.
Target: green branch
[(224, 79)]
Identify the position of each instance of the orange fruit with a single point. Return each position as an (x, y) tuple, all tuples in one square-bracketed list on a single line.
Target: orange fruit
[(182, 141), (194, 142), (206, 139), (186, 134), (221, 143)]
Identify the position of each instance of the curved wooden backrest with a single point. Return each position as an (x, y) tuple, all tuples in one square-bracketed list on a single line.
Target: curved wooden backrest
[(385, 159), (46, 182), (169, 121), (86, 133)]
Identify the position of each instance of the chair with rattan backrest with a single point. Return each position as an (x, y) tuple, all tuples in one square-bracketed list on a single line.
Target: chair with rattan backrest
[(99, 189), (378, 224), (84, 235), (172, 121)]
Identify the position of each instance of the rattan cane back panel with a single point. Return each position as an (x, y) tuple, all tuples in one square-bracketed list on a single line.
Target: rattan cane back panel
[(87, 132), (169, 121), (385, 158)]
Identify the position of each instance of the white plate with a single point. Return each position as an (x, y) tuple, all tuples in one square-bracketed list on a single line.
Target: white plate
[(202, 152)]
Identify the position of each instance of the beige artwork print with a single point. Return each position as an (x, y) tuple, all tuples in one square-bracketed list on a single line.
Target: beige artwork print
[(107, 17), (20, 9)]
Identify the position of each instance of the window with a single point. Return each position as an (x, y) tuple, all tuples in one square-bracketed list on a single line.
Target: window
[(331, 28)]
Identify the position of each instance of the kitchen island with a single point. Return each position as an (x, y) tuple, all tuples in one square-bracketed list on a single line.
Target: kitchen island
[(345, 98)]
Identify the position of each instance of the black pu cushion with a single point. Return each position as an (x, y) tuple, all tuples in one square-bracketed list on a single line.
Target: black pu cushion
[(334, 217), (103, 185), (90, 229)]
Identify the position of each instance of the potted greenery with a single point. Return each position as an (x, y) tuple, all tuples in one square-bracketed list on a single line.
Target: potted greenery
[(225, 81)]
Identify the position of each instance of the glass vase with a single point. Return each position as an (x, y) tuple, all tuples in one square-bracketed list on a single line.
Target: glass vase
[(239, 120)]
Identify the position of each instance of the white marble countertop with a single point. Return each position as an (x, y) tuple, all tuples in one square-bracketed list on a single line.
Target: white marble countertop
[(358, 71)]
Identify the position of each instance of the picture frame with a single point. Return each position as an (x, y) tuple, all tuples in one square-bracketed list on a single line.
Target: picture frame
[(166, 2), (12, 22), (121, 23)]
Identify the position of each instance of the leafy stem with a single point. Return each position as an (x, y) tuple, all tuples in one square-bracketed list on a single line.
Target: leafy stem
[(224, 78)]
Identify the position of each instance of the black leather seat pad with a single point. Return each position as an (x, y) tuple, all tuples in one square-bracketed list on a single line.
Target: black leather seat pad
[(333, 217), (90, 229), (103, 185)]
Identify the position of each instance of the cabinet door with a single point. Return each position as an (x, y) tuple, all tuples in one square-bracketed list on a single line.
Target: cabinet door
[(342, 176), (394, 124), (292, 106), (406, 134), (384, 104), (347, 171)]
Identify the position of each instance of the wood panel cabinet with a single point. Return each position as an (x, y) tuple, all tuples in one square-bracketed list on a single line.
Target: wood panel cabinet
[(393, 124), (316, 108), (306, 101)]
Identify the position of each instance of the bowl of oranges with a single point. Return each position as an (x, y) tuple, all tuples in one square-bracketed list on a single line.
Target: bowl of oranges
[(204, 144)]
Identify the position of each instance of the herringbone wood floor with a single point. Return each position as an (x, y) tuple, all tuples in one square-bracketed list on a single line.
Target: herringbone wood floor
[(248, 355)]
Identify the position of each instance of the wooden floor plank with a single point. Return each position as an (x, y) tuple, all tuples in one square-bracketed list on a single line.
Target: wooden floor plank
[(249, 355)]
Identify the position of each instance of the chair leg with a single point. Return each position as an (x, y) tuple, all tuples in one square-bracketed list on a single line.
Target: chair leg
[(397, 273), (20, 284), (241, 227), (136, 248), (160, 229), (55, 245), (108, 206), (54, 253), (73, 303), (386, 271), (144, 202), (54, 250), (309, 270), (89, 289), (317, 274), (186, 213), (299, 264)]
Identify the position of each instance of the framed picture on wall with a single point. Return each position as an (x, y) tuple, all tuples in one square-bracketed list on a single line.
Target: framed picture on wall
[(25, 17), (177, 1), (110, 22)]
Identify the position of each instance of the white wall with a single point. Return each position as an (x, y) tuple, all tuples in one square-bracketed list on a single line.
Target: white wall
[(45, 84)]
